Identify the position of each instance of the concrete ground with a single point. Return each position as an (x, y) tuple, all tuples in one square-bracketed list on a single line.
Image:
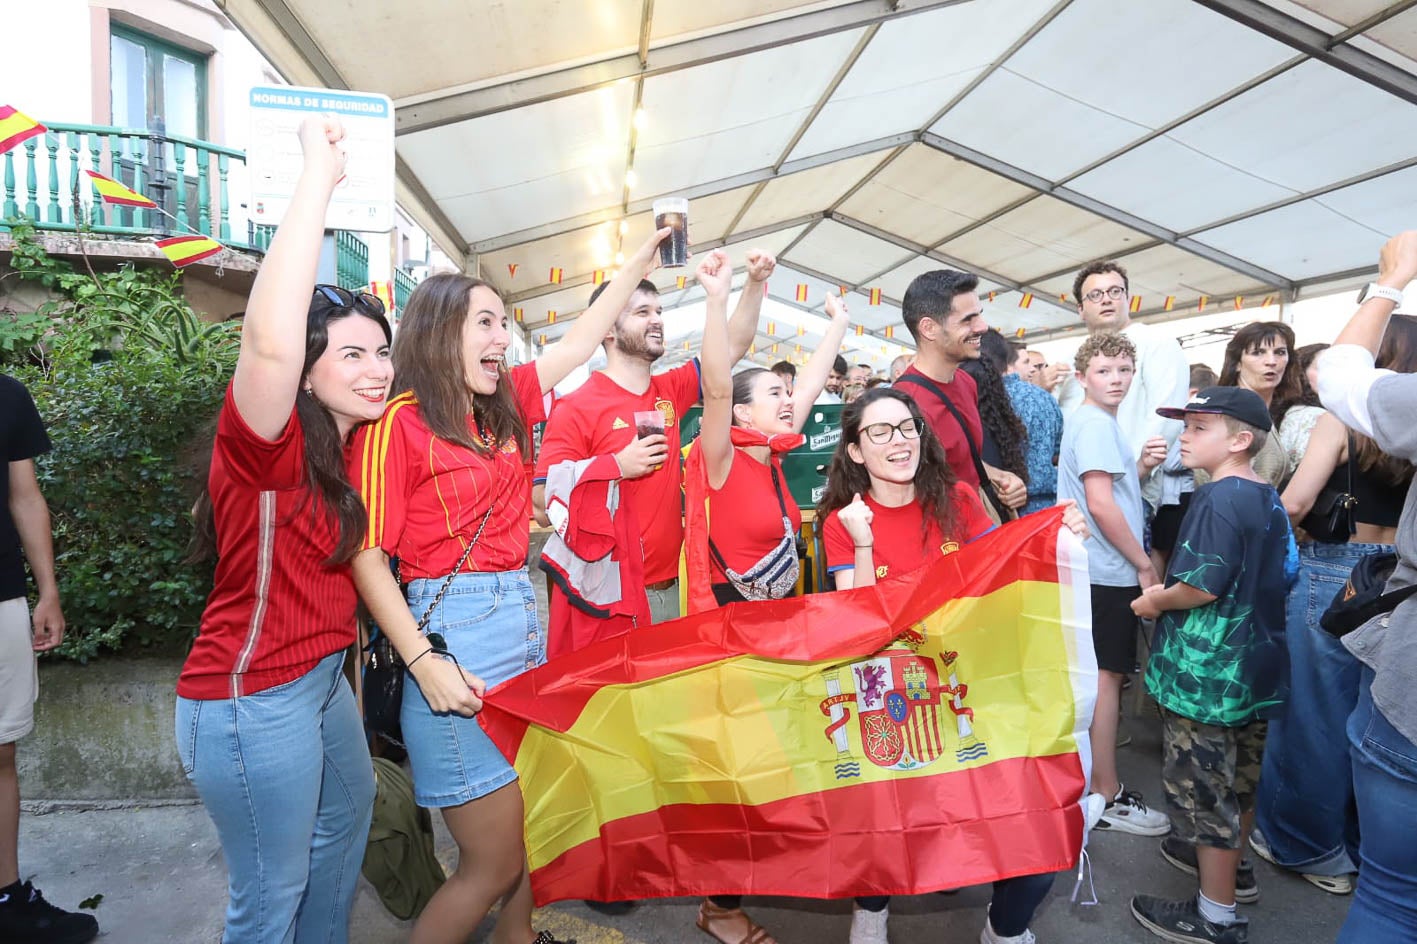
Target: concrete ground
[(161, 876)]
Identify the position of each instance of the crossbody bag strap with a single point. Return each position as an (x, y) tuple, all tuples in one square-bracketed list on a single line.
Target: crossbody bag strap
[(467, 552), (782, 506), (979, 470)]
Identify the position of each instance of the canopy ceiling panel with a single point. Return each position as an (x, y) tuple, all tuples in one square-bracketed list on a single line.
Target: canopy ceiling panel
[(1006, 313), (925, 195), (512, 170), (733, 116), (1342, 12), (1042, 235), (1386, 204), (851, 255), (897, 280), (1398, 34), (1330, 242), (806, 192), (902, 79), (675, 20), (1162, 271)]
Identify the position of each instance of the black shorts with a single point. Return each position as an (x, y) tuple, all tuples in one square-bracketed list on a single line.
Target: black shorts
[(1114, 628), (1166, 526)]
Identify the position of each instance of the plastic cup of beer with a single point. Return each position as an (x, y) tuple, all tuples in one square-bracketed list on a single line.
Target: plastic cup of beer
[(674, 213), (649, 423)]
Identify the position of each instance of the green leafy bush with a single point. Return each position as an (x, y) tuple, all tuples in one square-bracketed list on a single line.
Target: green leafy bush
[(119, 480)]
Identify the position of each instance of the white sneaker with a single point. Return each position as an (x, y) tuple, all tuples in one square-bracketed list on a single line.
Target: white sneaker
[(869, 927), (988, 936), (1126, 813)]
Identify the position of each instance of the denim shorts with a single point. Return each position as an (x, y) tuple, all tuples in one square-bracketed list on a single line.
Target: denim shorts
[(489, 623)]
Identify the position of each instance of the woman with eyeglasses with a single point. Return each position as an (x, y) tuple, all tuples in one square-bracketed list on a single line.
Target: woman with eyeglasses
[(444, 477), (267, 727), (892, 506), (740, 536)]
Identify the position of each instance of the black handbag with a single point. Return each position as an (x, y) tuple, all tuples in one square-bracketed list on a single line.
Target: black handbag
[(384, 670), (1363, 596), (1331, 520)]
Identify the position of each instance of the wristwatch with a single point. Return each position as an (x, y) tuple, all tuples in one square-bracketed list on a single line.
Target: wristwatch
[(1374, 290)]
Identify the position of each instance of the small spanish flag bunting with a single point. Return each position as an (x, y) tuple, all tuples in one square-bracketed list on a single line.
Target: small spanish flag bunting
[(511, 270), (597, 277), (991, 296), (1268, 300), (1062, 298), (752, 349), (551, 317), (16, 128), (1020, 333), (772, 328), (555, 276), (843, 289), (890, 331), (541, 339), (681, 281), (113, 192), (774, 348), (801, 292), (1026, 300), (686, 345), (860, 330), (1170, 303), (801, 330), (185, 250), (519, 314), (1200, 303), (875, 296), (1136, 303), (1239, 302), (384, 292)]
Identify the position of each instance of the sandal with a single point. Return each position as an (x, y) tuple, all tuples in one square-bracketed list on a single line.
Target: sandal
[(711, 916)]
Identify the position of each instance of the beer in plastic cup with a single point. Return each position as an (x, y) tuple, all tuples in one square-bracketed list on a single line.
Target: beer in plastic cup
[(649, 423), (674, 213)]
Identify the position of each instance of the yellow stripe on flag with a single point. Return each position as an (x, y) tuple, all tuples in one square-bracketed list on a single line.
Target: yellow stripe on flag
[(1170, 302), (801, 292), (1200, 303), (874, 297), (772, 328), (1020, 333), (555, 278), (1239, 302), (681, 281), (1026, 300), (185, 250), (113, 192), (519, 314), (860, 330), (1268, 300), (551, 317), (597, 277), (1136, 303), (16, 128), (890, 332)]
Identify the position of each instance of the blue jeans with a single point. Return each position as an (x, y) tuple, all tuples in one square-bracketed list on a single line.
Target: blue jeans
[(1385, 783), (286, 777), (1304, 806)]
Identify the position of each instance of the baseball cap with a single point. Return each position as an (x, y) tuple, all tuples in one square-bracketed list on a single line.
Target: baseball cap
[(1244, 405)]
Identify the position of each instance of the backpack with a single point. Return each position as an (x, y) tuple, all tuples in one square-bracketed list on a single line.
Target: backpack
[(399, 860)]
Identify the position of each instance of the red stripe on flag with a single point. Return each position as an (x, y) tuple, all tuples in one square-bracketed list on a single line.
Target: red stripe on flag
[(1022, 805), (20, 127)]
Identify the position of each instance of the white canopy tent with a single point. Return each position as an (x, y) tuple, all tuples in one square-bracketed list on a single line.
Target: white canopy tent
[(1219, 148)]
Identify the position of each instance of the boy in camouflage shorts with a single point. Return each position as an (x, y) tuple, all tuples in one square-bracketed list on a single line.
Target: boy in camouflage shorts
[(1218, 667)]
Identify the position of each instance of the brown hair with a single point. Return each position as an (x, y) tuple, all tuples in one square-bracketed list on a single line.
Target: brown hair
[(934, 478), (428, 359), (1235, 426), (1289, 391), (1103, 344), (1100, 267), (1398, 352)]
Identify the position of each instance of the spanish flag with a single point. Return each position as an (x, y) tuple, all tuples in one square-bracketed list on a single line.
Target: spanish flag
[(1020, 333), (596, 277), (843, 289), (991, 295), (890, 332), (383, 290), (1200, 303), (920, 734), (875, 297), (1239, 302), (511, 270), (16, 128), (185, 250), (555, 278), (1136, 303), (681, 281), (1170, 303), (1026, 300), (860, 330), (551, 316), (1268, 300), (113, 192), (772, 328), (801, 292), (519, 314)]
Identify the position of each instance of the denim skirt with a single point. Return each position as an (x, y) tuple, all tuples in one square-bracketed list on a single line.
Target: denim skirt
[(489, 623)]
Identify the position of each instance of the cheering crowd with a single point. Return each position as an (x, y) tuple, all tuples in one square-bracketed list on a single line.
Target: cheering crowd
[(1221, 518)]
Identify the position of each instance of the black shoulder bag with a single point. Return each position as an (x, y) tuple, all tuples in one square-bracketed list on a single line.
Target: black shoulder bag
[(986, 487), (384, 671), (1332, 520)]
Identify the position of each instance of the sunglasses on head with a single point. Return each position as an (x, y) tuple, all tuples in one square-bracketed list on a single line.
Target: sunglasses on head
[(344, 298)]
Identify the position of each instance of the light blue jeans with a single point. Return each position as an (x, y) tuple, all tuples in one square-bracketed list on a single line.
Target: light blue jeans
[(1304, 806), (286, 777)]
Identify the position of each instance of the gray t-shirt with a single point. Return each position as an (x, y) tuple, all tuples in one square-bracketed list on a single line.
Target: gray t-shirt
[(1092, 442)]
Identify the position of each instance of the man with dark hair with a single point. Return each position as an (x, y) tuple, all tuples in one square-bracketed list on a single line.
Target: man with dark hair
[(835, 381), (25, 535), (943, 314), (787, 371), (1162, 376)]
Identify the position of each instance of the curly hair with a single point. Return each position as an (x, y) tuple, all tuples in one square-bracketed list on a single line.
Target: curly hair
[(1103, 344), (1289, 391), (996, 413), (934, 479), (1100, 267)]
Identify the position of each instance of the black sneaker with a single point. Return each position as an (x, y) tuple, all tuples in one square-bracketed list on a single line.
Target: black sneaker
[(26, 918), (612, 908), (1182, 855), (546, 937), (1181, 921)]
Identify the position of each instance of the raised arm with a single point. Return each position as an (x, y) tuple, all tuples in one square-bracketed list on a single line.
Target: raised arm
[(586, 333), (268, 370), (813, 378), (743, 326), (715, 274)]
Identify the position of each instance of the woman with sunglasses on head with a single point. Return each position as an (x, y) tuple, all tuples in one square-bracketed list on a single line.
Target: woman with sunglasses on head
[(740, 537), (267, 727), (892, 506), (443, 475)]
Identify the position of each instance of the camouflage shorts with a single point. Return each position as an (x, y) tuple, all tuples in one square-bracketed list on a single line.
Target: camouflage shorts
[(1209, 775)]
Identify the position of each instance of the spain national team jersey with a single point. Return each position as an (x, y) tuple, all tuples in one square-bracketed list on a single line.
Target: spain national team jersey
[(426, 497), (599, 419), (899, 545)]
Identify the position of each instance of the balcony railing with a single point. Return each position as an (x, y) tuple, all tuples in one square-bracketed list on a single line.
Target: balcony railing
[(191, 180), (404, 284)]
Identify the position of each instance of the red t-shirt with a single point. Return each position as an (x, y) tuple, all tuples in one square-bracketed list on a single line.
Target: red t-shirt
[(426, 497), (897, 548), (276, 608), (597, 419), (745, 520), (965, 396)]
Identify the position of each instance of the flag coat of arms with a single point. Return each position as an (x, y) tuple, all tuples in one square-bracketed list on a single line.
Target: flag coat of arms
[(926, 733)]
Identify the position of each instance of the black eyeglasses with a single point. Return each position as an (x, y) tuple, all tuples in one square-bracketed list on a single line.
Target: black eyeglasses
[(881, 433), (344, 298), (1113, 292)]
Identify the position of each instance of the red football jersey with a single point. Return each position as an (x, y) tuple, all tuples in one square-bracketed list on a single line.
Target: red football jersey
[(898, 548)]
